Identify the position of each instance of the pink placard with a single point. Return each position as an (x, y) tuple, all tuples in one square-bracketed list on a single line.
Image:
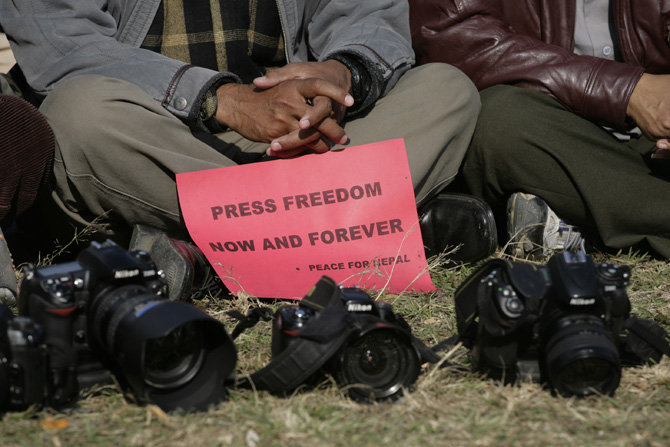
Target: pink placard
[(272, 229)]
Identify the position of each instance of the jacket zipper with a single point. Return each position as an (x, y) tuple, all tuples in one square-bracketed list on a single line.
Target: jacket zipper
[(281, 12), (574, 25)]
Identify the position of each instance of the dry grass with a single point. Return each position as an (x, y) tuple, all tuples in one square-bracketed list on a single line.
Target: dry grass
[(448, 407)]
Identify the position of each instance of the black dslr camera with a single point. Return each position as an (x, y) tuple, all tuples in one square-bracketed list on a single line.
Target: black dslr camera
[(343, 332), (566, 323), (103, 312)]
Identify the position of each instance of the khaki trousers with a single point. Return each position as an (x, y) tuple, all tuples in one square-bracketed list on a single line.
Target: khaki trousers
[(119, 151)]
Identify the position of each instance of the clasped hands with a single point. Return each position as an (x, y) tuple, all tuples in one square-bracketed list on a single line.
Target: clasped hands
[(293, 108)]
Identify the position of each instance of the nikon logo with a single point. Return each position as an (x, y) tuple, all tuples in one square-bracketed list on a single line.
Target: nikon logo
[(119, 274), (582, 301), (357, 307)]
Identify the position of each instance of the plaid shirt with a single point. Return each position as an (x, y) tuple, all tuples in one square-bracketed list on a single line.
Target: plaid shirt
[(234, 36), (242, 37)]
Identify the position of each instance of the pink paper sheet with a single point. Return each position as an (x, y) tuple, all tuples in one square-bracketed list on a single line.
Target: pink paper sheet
[(273, 229)]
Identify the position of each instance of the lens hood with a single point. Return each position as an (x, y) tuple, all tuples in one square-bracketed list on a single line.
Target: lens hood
[(378, 362), (173, 354)]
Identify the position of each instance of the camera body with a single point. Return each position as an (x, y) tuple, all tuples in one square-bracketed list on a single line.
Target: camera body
[(54, 300), (103, 312), (376, 360), (559, 323), (22, 361)]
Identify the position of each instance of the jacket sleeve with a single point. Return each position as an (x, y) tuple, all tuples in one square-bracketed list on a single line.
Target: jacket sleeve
[(374, 32), (473, 36), (54, 40)]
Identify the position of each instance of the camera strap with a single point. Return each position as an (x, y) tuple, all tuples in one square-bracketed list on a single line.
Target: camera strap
[(473, 303), (249, 320), (317, 342), (305, 356), (429, 353), (647, 340), (466, 299)]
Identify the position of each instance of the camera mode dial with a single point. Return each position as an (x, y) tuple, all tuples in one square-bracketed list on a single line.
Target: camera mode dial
[(59, 288), (508, 301), (615, 274), (504, 295), (301, 315)]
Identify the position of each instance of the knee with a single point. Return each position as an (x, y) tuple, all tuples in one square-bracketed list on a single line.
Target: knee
[(507, 109), (447, 90), (77, 108), (505, 115)]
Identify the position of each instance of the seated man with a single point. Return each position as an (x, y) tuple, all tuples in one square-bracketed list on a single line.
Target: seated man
[(575, 102), (138, 91)]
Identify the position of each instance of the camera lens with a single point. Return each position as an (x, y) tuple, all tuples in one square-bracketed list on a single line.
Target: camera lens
[(581, 358), (170, 353), (110, 307), (378, 364), (175, 359)]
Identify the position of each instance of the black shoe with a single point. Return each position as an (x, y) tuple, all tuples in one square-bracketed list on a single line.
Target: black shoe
[(459, 225), (187, 272), (7, 274)]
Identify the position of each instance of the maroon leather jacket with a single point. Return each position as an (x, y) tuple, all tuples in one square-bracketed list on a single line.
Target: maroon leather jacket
[(529, 43)]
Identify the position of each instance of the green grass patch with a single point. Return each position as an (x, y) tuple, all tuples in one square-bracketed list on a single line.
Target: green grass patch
[(449, 407)]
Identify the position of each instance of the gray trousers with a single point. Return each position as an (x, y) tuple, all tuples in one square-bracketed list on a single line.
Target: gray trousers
[(119, 150), (526, 141)]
